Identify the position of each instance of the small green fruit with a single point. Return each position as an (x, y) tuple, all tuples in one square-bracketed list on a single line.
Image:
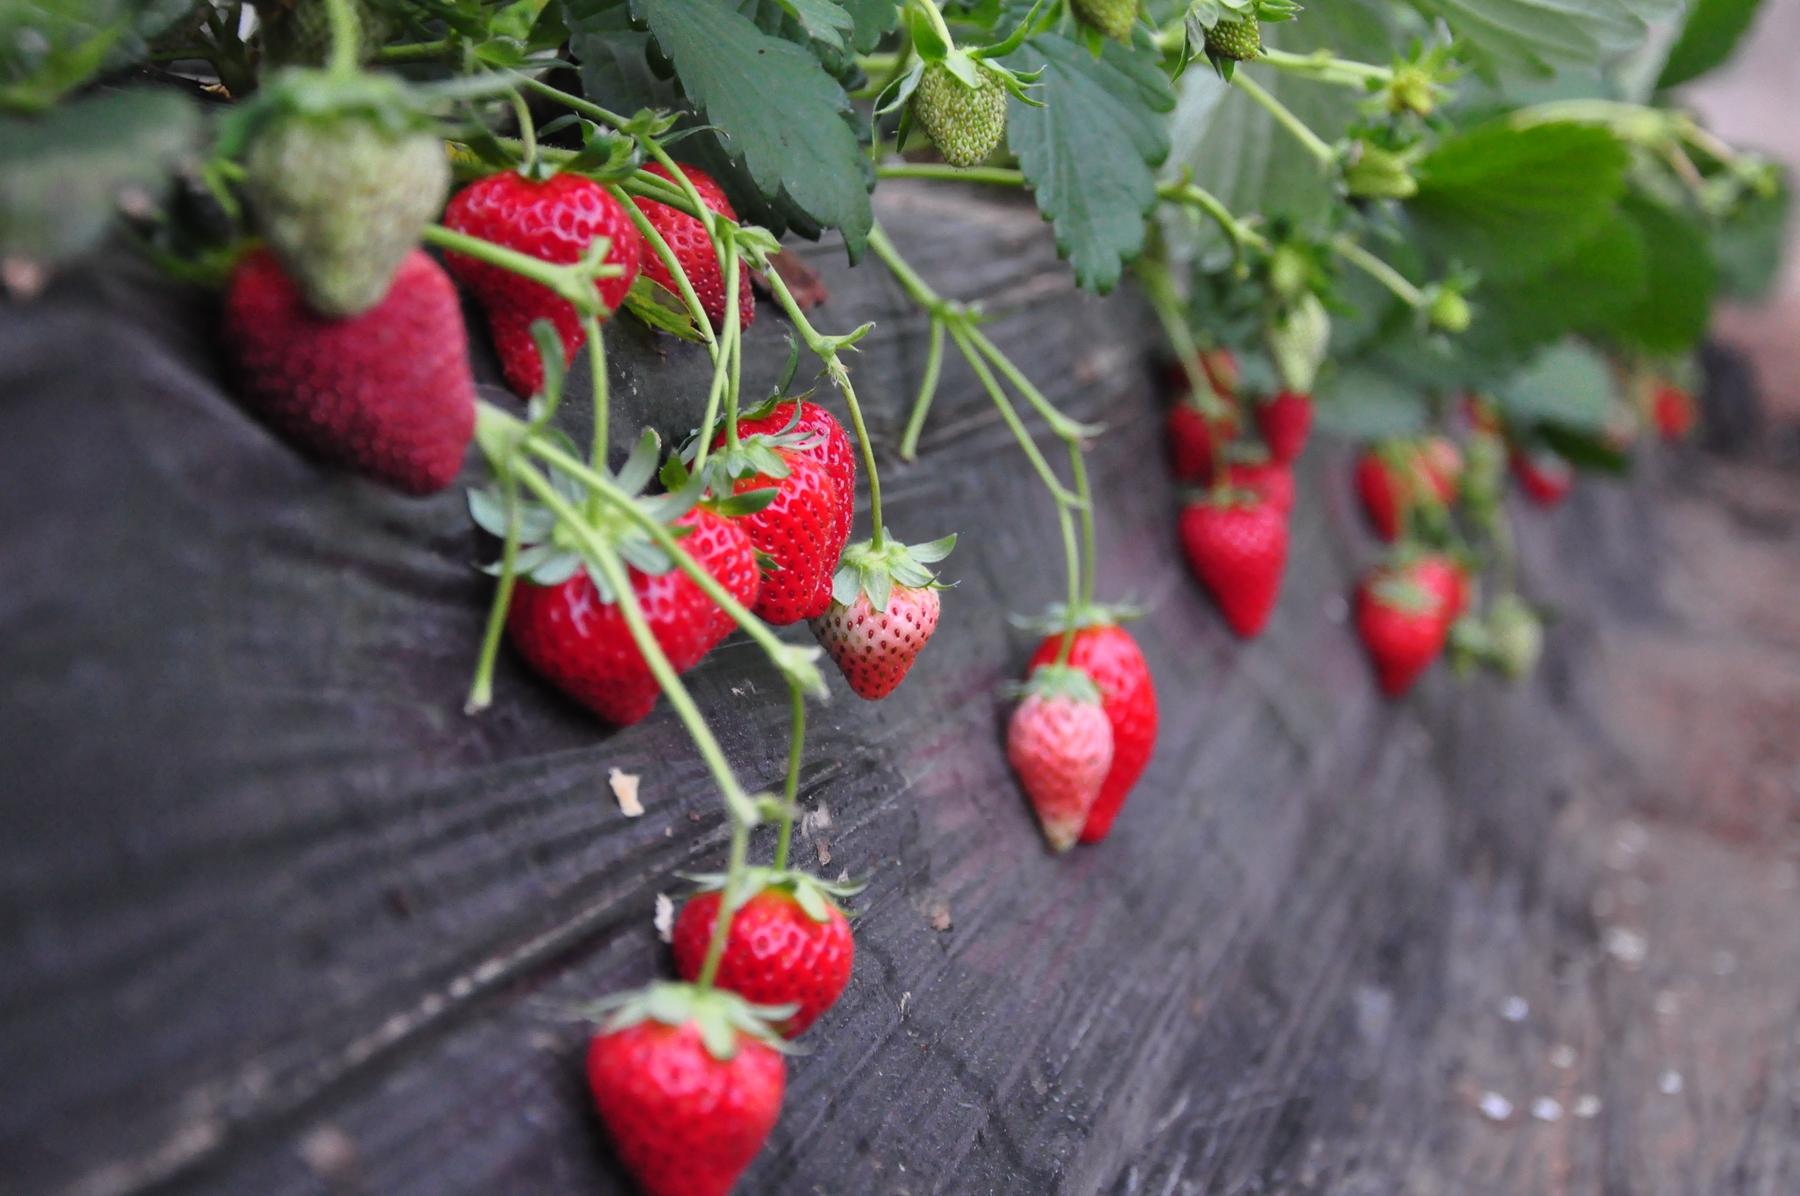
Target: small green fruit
[(342, 201), (1449, 311), (1113, 18), (966, 123), (1515, 636), (1239, 40)]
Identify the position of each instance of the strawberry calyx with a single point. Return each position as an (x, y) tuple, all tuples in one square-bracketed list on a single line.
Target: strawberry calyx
[(550, 551), (815, 896), (867, 569), (722, 1018), (1049, 681), (1399, 590), (1059, 617)]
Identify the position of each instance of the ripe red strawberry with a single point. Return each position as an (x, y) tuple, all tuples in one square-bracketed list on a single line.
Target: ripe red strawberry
[(1402, 625), (386, 393), (693, 249), (554, 220), (1112, 660), (1272, 480), (1284, 422), (798, 534), (1673, 410), (884, 607), (1060, 745), (820, 436), (1545, 477), (789, 944), (686, 1087), (1238, 550), (1195, 440), (1383, 492), (576, 639)]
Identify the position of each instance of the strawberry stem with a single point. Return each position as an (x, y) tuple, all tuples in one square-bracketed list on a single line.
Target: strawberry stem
[(346, 36), (597, 365), (660, 247), (790, 791), (1325, 67), (827, 349), (575, 283), (735, 351), (721, 931), (1379, 270), (481, 689), (1011, 416), (1090, 553), (527, 134), (934, 363), (1284, 116)]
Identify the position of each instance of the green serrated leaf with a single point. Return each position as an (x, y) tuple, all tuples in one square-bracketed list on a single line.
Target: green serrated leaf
[(1748, 246), (1536, 37), (1090, 150), (1712, 32), (1509, 202), (779, 110), (1568, 384), (1676, 304)]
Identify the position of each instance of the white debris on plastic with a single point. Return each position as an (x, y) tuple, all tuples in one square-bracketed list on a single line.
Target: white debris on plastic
[(625, 791)]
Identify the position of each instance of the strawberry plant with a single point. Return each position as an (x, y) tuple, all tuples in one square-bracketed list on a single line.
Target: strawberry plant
[(1365, 216)]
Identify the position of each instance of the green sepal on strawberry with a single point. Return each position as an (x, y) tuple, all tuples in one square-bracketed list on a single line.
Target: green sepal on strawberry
[(565, 619), (688, 1082), (1060, 745), (789, 943), (1230, 31), (341, 172), (1402, 621), (884, 609)]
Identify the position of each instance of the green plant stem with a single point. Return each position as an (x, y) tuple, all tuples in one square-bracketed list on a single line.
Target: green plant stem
[(790, 790), (826, 349), (1192, 195), (481, 689), (1285, 117), (1090, 542), (1010, 415), (602, 556), (1061, 426), (721, 378), (735, 356), (1379, 270), (736, 860), (998, 176), (346, 37), (1159, 289), (597, 454), (935, 19), (934, 364), (572, 283), (660, 246), (1327, 67), (414, 51), (1072, 564)]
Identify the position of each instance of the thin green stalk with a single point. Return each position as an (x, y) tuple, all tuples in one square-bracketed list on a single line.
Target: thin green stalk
[(735, 863), (527, 129), (1009, 414), (1326, 67), (346, 37), (1090, 551), (936, 20), (566, 281), (998, 176), (1061, 426), (909, 279), (1285, 118), (1193, 195), (414, 51), (826, 350), (715, 393), (597, 453), (790, 791), (1072, 561), (660, 246), (481, 689), (934, 363), (1379, 270), (735, 357)]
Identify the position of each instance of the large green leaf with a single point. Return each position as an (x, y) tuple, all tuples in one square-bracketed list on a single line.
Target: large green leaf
[(1361, 402), (1676, 305), (62, 174), (1236, 150), (1748, 246), (774, 105), (1090, 150), (1568, 384), (1603, 275), (1510, 202), (1712, 32), (1538, 36)]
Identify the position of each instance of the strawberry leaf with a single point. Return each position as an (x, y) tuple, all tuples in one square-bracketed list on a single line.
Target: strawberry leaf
[(1090, 150), (780, 113), (1535, 37), (1672, 311), (1707, 40)]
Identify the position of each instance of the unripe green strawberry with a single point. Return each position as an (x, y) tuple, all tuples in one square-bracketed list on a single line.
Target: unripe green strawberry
[(342, 201), (298, 32), (966, 123), (1114, 18), (1239, 40)]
